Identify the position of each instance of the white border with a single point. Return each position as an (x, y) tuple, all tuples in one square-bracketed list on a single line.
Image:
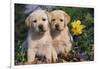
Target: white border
[(75, 3), (12, 36), (83, 3)]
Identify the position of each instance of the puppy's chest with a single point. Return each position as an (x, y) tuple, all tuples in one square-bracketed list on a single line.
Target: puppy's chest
[(61, 41), (39, 44)]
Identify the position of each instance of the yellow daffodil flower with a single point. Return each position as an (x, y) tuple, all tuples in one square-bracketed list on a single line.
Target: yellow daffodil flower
[(77, 27)]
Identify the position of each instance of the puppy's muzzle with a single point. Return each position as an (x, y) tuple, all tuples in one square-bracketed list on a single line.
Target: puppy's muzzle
[(41, 28), (57, 27)]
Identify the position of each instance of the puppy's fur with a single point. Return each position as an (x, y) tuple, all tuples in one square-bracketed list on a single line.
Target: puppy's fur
[(59, 31), (39, 41)]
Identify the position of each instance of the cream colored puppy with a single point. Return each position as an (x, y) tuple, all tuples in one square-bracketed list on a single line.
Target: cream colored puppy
[(59, 31), (39, 41)]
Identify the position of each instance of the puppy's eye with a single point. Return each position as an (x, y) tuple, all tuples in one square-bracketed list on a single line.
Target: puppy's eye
[(61, 20), (35, 21), (53, 19), (43, 19)]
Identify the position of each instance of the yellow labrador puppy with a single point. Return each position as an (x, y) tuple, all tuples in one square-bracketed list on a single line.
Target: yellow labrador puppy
[(59, 31), (39, 40)]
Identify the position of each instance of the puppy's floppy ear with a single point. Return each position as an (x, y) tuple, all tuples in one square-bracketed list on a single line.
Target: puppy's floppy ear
[(66, 18), (27, 21), (49, 16)]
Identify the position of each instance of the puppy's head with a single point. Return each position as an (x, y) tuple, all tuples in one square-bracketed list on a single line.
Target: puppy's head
[(58, 20), (38, 21)]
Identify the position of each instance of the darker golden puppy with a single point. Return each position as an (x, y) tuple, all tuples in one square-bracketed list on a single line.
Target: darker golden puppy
[(59, 31)]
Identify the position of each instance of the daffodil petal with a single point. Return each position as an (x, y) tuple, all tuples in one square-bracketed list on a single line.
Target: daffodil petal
[(79, 22)]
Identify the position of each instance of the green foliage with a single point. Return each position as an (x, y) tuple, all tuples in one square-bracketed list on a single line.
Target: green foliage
[(83, 45), (20, 54)]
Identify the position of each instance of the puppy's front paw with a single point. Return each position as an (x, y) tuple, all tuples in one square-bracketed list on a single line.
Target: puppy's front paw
[(54, 56), (26, 63)]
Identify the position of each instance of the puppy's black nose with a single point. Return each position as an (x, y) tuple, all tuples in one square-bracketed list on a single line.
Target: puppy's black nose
[(57, 26), (40, 27)]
